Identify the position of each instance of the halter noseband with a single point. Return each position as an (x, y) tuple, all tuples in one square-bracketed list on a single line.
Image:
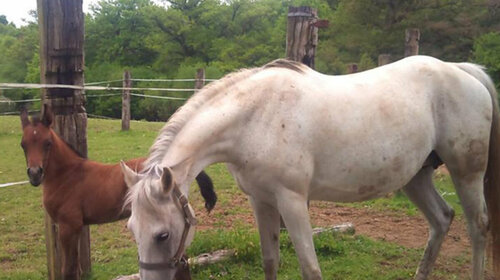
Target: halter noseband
[(178, 260)]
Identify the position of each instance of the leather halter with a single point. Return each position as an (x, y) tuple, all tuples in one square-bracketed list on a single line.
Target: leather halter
[(178, 260)]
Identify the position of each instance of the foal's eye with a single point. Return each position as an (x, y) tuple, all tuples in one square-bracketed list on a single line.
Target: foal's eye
[(162, 237), (23, 146), (47, 145)]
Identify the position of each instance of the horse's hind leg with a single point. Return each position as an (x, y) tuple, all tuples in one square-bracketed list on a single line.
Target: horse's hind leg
[(422, 193), (470, 191), (268, 221)]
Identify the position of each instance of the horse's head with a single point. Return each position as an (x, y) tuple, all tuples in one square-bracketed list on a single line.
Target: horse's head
[(36, 143), (162, 221)]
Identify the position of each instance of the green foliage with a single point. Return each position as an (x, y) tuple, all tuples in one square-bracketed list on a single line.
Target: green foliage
[(118, 32), (487, 53), (366, 62), (173, 40)]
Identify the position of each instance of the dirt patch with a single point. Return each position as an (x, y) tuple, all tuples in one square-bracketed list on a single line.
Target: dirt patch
[(408, 231)]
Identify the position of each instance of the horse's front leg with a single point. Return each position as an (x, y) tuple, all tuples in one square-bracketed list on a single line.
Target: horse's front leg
[(268, 221), (69, 236), (293, 208)]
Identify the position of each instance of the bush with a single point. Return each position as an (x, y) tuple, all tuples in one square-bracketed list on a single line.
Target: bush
[(487, 52)]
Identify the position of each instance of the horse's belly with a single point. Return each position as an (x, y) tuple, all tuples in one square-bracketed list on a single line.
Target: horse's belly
[(352, 193), (358, 180)]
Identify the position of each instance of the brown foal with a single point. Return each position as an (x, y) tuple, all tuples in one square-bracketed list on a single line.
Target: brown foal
[(77, 191)]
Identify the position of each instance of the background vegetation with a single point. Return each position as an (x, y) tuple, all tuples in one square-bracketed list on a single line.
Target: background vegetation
[(157, 42)]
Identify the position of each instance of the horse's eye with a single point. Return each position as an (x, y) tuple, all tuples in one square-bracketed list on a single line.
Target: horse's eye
[(23, 146), (162, 237), (47, 145)]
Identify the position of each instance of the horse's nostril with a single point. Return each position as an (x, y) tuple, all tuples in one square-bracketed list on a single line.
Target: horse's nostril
[(34, 171)]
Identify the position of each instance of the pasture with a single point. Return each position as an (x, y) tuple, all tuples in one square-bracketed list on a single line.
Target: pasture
[(387, 245)]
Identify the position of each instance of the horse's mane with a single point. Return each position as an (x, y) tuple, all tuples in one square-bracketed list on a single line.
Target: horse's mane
[(179, 118), (288, 64)]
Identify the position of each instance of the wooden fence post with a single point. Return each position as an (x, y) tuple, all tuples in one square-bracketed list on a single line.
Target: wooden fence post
[(61, 25), (302, 34), (412, 38), (200, 79), (384, 59), (127, 83), (352, 68)]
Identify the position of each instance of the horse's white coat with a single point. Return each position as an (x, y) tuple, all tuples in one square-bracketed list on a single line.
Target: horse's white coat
[(289, 136)]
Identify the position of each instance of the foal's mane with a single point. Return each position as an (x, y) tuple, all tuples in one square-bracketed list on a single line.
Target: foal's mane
[(180, 117)]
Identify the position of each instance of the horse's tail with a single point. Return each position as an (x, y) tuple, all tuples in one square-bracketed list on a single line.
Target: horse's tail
[(207, 190), (492, 178)]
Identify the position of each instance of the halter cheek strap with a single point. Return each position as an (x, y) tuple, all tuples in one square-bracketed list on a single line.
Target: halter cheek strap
[(178, 260)]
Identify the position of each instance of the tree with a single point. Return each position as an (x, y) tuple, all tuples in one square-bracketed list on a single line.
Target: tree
[(3, 20), (117, 31), (487, 53)]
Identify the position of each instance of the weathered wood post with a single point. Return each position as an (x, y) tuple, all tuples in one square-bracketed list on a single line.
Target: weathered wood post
[(384, 59), (127, 84), (302, 34), (412, 38), (61, 27), (200, 79), (302, 38), (352, 68)]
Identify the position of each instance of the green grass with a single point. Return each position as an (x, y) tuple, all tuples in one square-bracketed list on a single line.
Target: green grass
[(22, 247)]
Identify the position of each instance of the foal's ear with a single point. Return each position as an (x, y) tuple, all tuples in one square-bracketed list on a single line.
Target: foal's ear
[(167, 180), (48, 116), (24, 118), (129, 175)]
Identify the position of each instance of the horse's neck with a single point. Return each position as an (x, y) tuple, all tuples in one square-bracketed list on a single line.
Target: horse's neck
[(61, 158), (202, 142)]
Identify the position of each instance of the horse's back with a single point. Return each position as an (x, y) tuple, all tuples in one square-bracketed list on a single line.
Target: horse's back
[(358, 136)]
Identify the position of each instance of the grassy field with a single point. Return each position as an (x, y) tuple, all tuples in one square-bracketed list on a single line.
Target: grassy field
[(22, 247)]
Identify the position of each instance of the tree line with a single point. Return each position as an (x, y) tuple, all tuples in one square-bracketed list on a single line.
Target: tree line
[(174, 39)]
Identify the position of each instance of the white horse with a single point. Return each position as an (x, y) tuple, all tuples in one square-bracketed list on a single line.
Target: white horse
[(289, 134)]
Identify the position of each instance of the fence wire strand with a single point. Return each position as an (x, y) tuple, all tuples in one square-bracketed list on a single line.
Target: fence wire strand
[(44, 86)]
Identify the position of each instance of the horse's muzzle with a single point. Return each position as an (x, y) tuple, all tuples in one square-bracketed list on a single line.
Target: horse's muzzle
[(36, 175)]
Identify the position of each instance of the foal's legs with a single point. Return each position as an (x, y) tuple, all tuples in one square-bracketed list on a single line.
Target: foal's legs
[(422, 193), (69, 236), (268, 221), (293, 208)]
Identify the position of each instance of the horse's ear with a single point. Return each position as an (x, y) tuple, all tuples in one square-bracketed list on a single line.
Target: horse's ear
[(129, 175), (48, 116), (167, 180), (24, 117)]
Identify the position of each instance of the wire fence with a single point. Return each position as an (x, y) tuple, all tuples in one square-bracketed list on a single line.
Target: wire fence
[(86, 88), (92, 86)]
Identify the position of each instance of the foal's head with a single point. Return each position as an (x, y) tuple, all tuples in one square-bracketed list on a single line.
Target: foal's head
[(36, 143)]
